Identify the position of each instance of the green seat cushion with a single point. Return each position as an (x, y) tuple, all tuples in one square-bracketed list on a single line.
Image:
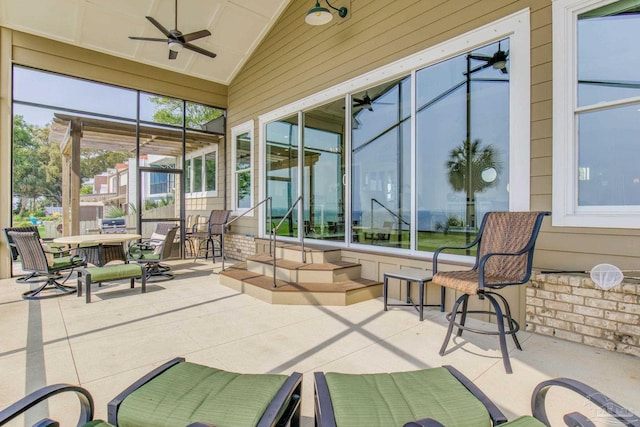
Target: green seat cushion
[(397, 398), (65, 261), (189, 392), (114, 272), (97, 423), (524, 421), (144, 254)]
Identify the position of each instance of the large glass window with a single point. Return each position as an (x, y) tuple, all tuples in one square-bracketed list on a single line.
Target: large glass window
[(596, 179), (462, 137), (381, 164), (76, 146), (242, 149), (410, 162), (282, 173)]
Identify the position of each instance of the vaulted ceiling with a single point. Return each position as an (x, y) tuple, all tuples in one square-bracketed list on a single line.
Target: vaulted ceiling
[(236, 26)]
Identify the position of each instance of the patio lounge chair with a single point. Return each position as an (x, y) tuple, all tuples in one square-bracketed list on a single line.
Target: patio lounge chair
[(504, 257), (438, 397), (180, 393), (36, 259), (155, 250)]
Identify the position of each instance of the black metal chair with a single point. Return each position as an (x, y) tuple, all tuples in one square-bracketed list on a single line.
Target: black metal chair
[(36, 259), (14, 250), (154, 250), (504, 257), (211, 237)]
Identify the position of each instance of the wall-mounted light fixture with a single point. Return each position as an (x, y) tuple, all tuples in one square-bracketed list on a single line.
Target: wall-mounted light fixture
[(319, 15)]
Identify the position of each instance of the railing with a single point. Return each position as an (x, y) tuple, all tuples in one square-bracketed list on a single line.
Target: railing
[(274, 232), (388, 210), (269, 202)]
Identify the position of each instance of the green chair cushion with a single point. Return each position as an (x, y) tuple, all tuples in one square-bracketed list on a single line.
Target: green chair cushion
[(397, 398), (144, 254), (189, 392), (114, 272), (97, 423), (65, 261), (524, 421)]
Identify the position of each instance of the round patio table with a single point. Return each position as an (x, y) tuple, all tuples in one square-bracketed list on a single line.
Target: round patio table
[(99, 249)]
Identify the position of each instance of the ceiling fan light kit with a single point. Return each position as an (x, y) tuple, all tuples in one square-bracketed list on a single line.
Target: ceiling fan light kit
[(175, 40), (319, 15)]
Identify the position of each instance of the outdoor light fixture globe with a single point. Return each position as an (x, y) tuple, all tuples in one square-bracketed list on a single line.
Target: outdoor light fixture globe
[(319, 15)]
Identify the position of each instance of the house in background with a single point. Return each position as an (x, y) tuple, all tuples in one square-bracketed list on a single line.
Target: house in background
[(421, 114)]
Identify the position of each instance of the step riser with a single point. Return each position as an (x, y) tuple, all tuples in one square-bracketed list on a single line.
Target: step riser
[(295, 253), (305, 276), (303, 298)]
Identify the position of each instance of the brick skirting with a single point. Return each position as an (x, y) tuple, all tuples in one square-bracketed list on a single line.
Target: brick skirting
[(239, 246), (573, 308)]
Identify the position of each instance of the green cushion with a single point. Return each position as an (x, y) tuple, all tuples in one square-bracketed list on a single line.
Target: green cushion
[(97, 423), (65, 261), (398, 398), (188, 392), (144, 254), (114, 272), (524, 421)]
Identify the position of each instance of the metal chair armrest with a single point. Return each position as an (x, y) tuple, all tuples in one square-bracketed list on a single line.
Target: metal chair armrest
[(32, 399), (324, 414), (114, 405), (601, 400)]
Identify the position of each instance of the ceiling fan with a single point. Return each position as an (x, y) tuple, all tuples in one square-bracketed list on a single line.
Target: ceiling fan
[(365, 102), (175, 39), (497, 61)]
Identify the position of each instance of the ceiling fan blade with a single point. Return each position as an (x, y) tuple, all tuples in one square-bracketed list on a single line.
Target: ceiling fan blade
[(173, 54), (196, 35), (148, 39), (159, 26), (481, 57), (199, 50)]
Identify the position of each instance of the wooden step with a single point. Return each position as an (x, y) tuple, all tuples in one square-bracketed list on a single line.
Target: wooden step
[(259, 286), (294, 271), (314, 253)]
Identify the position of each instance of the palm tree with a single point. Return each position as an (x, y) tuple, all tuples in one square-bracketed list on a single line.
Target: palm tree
[(466, 165)]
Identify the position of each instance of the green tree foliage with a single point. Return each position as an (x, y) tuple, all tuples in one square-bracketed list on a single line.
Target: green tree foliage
[(94, 162), (169, 111), (480, 158), (36, 166)]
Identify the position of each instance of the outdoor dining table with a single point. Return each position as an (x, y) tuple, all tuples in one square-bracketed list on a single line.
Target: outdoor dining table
[(99, 249)]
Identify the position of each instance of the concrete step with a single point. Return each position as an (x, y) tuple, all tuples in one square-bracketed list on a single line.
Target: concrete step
[(259, 286), (294, 271)]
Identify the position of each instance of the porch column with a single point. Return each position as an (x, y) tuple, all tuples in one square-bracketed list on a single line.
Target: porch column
[(6, 212), (76, 136)]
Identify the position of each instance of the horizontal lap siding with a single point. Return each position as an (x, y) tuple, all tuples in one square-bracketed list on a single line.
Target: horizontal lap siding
[(297, 60)]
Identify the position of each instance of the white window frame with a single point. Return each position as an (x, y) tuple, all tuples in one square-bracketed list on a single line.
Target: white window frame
[(202, 154), (516, 27), (565, 211), (246, 127)]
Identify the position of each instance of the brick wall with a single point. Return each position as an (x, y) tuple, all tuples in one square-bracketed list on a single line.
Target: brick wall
[(239, 246), (573, 308)]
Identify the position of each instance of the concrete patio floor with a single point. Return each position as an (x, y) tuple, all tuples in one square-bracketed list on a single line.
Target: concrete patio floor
[(108, 344)]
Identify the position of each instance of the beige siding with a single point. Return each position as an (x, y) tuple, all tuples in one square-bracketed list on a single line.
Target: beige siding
[(297, 60)]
